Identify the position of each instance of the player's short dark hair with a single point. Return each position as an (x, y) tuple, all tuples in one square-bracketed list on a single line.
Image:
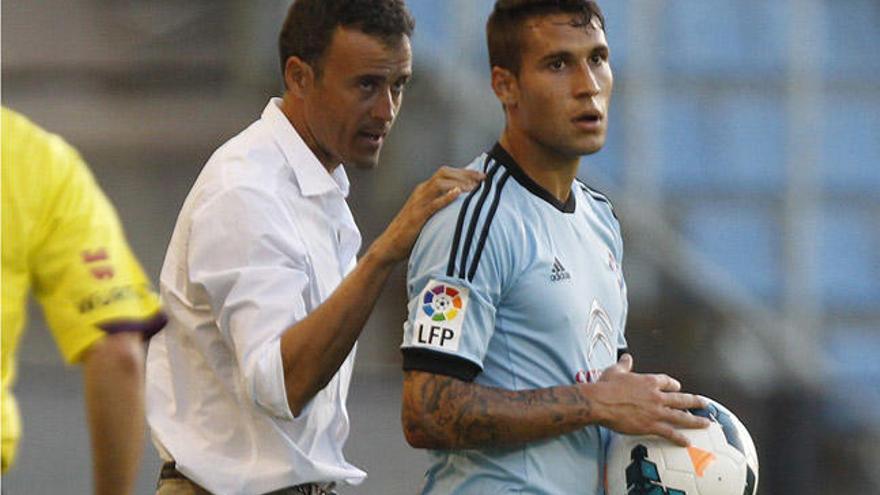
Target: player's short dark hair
[(309, 26), (504, 29)]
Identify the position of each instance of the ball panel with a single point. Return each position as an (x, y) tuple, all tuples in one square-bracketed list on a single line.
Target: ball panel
[(682, 481), (751, 453), (676, 459), (751, 482)]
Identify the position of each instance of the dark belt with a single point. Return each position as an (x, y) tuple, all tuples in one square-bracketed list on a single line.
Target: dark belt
[(169, 472)]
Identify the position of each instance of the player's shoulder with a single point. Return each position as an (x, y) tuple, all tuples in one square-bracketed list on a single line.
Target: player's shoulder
[(39, 165), (598, 200), (475, 224), (35, 150), (16, 127), (482, 206)]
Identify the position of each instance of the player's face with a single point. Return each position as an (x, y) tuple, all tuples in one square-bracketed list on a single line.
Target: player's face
[(563, 91), (357, 97)]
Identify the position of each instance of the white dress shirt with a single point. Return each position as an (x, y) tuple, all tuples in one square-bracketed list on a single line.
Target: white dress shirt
[(263, 238)]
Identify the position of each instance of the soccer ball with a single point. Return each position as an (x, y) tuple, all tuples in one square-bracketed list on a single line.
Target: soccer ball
[(720, 461)]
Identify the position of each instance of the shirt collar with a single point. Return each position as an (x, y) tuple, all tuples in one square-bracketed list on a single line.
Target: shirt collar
[(311, 175), (501, 155)]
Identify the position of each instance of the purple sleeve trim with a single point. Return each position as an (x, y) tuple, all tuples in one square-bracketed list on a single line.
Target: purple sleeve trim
[(147, 327)]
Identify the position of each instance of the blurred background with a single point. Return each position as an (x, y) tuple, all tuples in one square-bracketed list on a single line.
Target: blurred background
[(743, 161)]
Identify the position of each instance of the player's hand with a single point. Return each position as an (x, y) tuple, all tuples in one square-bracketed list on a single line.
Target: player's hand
[(426, 199), (645, 404)]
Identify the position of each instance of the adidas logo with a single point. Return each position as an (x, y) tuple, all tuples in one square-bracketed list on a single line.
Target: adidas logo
[(558, 273)]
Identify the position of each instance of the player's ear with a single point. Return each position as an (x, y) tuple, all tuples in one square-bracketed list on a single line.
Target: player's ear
[(505, 87), (299, 76)]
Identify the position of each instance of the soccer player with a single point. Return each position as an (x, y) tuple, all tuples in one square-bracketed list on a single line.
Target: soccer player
[(62, 239), (514, 349), (246, 387)]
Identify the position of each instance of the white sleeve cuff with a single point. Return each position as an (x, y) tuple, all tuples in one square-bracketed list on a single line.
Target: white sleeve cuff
[(267, 382)]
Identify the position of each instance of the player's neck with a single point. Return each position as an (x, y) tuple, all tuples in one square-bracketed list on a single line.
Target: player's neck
[(293, 110), (550, 169)]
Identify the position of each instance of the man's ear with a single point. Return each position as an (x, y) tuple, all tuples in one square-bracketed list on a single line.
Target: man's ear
[(299, 76), (505, 85)]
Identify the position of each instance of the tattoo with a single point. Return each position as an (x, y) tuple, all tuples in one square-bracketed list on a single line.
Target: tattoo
[(442, 412)]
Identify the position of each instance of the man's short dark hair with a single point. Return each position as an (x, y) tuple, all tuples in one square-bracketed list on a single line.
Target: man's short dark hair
[(308, 29), (504, 29)]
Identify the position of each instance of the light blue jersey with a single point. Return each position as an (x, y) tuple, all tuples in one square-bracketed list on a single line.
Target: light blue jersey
[(510, 288)]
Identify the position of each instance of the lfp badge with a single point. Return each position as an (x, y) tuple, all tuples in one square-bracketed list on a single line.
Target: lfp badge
[(438, 322), (442, 303)]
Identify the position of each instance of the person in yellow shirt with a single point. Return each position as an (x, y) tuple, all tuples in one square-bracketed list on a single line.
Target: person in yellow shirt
[(62, 240)]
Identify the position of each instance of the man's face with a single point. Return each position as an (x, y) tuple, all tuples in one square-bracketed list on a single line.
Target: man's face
[(357, 96), (563, 89)]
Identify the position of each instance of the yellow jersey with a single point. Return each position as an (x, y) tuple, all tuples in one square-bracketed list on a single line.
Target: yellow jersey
[(61, 238)]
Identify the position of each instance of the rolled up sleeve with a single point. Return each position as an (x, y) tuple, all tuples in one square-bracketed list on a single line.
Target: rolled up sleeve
[(248, 257)]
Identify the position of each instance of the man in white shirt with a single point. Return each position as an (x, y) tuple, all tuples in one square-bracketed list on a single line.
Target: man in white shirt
[(246, 386)]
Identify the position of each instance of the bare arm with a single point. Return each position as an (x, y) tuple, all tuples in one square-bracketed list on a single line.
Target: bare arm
[(113, 373), (441, 412), (332, 329)]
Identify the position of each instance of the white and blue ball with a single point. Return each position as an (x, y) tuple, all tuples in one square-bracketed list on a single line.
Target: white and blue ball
[(720, 461)]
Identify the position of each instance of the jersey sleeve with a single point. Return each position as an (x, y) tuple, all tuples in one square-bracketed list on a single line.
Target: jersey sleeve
[(86, 277), (456, 276)]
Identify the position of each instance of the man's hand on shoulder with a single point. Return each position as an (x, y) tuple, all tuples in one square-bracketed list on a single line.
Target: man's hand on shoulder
[(426, 199), (644, 404), (331, 330)]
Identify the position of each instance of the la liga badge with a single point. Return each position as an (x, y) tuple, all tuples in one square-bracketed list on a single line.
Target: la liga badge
[(439, 318)]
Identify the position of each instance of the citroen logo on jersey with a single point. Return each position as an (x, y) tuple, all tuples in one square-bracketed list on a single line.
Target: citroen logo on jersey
[(600, 337), (600, 333), (558, 273)]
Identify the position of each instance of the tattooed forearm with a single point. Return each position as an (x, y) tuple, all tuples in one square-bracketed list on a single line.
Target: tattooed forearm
[(440, 412)]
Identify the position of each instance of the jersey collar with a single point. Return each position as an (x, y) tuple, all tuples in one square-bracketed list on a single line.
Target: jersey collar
[(500, 155)]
